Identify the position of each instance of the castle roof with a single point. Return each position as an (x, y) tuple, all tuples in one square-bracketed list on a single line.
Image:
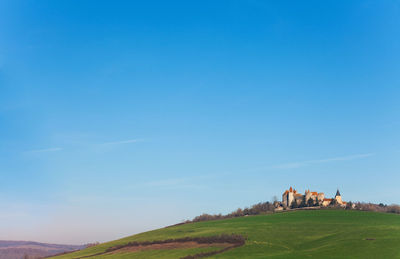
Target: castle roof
[(325, 199), (312, 193), (294, 191), (290, 190), (337, 193)]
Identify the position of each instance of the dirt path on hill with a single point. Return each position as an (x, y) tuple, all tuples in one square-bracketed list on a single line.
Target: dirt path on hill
[(223, 243), (173, 245)]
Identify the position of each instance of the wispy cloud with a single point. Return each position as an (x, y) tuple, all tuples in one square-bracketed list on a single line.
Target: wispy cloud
[(175, 183), (55, 149), (128, 141), (167, 182), (321, 161), (44, 150)]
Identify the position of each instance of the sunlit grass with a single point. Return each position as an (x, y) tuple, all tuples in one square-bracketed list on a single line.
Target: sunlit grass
[(300, 234)]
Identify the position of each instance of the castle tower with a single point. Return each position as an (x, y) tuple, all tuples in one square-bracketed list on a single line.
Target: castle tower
[(321, 196), (288, 197), (338, 197), (308, 194)]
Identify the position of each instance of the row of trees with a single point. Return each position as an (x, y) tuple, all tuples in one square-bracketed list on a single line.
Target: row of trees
[(269, 207), (259, 208), (394, 208)]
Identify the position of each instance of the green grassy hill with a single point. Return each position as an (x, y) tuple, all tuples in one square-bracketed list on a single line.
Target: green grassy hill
[(297, 234)]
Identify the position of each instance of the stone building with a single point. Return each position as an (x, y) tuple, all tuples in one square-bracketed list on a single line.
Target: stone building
[(292, 195)]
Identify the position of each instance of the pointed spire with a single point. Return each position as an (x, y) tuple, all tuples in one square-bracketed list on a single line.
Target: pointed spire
[(337, 193)]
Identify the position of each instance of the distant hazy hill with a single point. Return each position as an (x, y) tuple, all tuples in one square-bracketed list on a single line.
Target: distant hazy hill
[(18, 249), (294, 234)]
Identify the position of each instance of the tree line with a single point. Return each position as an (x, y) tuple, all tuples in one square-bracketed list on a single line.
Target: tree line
[(270, 207), (256, 209)]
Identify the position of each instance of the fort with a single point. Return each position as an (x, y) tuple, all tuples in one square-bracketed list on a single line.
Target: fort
[(291, 198)]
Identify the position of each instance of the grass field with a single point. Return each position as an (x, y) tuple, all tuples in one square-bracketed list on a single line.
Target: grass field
[(297, 234)]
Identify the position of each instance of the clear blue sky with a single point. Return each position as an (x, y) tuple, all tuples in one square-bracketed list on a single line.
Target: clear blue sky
[(122, 116)]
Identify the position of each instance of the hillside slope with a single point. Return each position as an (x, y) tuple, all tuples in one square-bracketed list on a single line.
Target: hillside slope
[(297, 234)]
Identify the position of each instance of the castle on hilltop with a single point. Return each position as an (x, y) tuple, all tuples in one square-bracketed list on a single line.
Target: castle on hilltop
[(291, 198)]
